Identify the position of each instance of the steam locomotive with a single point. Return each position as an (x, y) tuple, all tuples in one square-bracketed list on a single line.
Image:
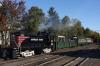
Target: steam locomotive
[(28, 45)]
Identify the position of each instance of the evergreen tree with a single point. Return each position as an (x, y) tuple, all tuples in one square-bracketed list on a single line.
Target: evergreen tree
[(35, 15)]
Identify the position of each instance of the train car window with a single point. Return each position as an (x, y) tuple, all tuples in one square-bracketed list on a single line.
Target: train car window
[(61, 38)]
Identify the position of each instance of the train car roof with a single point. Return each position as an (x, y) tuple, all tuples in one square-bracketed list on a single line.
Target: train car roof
[(61, 36)]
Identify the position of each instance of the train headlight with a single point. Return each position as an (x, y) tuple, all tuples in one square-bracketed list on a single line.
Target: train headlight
[(0, 4), (51, 43)]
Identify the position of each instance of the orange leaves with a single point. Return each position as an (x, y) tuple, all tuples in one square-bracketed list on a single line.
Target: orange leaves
[(3, 23), (11, 11)]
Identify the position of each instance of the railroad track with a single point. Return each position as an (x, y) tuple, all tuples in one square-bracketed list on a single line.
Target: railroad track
[(76, 62), (7, 62), (83, 62), (40, 61), (29, 60), (53, 60), (59, 61), (46, 60), (66, 61), (15, 60), (49, 61)]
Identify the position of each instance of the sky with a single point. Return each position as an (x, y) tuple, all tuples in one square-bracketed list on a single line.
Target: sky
[(87, 11)]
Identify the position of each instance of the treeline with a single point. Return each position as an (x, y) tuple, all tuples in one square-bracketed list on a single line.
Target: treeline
[(14, 17)]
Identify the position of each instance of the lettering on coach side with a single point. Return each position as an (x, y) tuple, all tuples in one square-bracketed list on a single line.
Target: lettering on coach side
[(36, 39)]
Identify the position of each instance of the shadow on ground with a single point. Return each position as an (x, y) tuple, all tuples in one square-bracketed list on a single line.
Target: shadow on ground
[(90, 53)]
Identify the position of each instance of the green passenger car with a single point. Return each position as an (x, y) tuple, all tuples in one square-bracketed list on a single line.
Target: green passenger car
[(63, 42)]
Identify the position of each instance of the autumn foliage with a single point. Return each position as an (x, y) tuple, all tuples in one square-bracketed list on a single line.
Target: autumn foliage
[(3, 23)]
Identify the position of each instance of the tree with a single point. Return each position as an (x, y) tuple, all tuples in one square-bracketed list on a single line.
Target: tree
[(66, 20), (35, 15), (87, 32), (11, 13), (79, 28), (65, 25), (54, 19)]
